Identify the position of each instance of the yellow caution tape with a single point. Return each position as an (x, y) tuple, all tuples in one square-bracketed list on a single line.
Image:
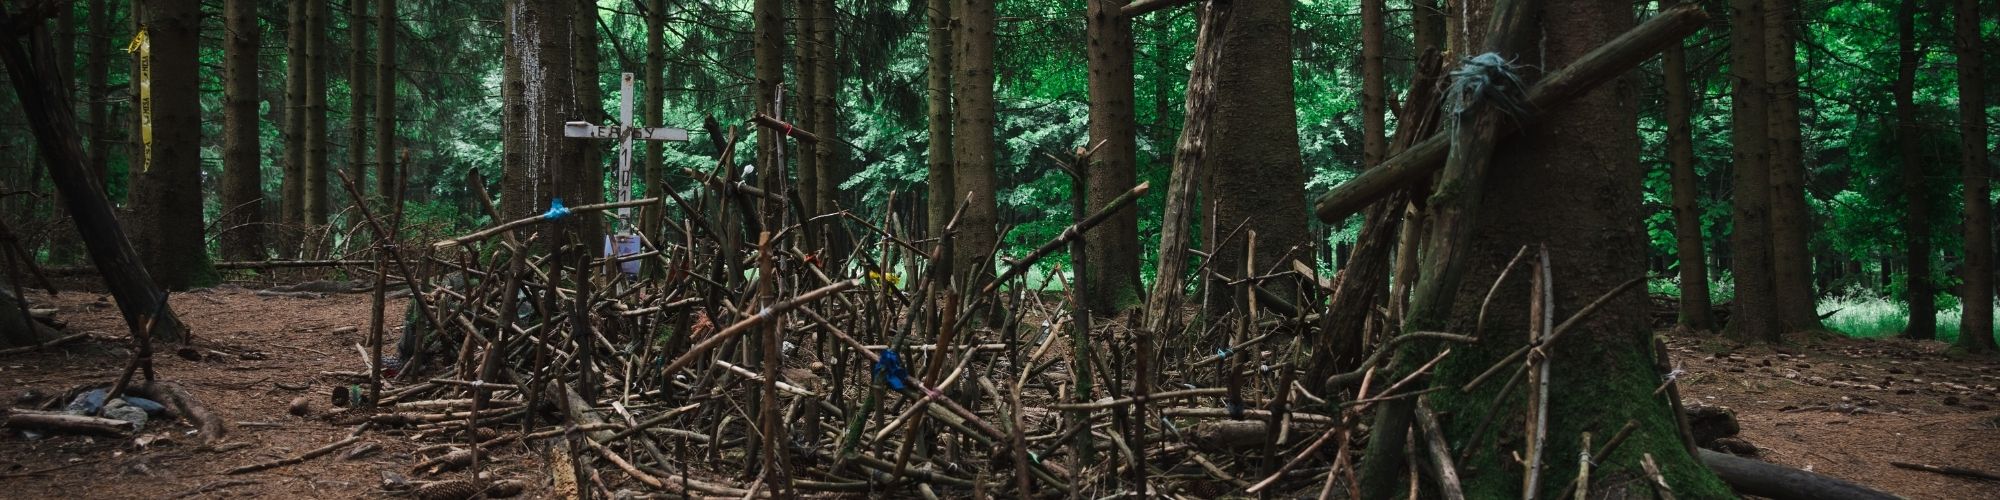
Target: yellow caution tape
[(144, 47)]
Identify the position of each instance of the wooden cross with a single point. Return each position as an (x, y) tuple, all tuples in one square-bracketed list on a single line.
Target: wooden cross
[(622, 241)]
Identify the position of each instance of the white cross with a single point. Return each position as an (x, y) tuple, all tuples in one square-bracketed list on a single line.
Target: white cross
[(625, 132)]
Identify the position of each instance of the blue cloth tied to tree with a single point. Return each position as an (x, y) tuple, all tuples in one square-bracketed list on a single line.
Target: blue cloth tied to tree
[(556, 210)]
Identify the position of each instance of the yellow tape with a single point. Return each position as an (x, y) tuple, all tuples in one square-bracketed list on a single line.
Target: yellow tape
[(144, 47)]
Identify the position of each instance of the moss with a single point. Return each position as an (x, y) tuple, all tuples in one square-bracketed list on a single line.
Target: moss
[(1599, 381)]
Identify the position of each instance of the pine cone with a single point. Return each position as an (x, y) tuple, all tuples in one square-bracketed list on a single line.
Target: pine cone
[(456, 489)]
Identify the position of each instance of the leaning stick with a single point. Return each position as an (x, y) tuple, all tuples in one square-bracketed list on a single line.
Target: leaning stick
[(739, 327), (1566, 325), (1072, 232), (1594, 68), (519, 223)]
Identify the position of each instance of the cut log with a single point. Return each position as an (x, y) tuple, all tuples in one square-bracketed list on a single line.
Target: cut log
[(1777, 482), (65, 423)]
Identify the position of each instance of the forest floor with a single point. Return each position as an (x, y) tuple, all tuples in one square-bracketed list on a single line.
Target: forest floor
[(1841, 407)]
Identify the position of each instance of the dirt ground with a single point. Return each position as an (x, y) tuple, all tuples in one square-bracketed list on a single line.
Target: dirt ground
[(1841, 407)]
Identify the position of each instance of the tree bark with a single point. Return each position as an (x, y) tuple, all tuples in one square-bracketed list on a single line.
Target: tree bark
[(540, 164), (942, 199), (1113, 246), (1975, 327), (826, 83), (1755, 318), (1374, 87), (291, 187), (973, 142), (387, 178), (242, 159), (806, 69), (588, 186), (96, 77), (1255, 175), (1920, 293), (1791, 218), (166, 199), (769, 53), (1696, 312), (651, 111), (357, 101), (316, 132)]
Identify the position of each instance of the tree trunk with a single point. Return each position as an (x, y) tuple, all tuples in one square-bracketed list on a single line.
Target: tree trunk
[(1426, 26), (652, 113), (1177, 218), (1592, 225), (769, 55), (973, 142), (1113, 246), (589, 183), (292, 189), (1920, 293), (387, 178), (806, 69), (242, 162), (1791, 219), (942, 198), (1255, 175), (357, 101), (96, 76), (1374, 87), (1975, 332), (1755, 318), (166, 197), (540, 164), (316, 132), (826, 84), (1696, 312)]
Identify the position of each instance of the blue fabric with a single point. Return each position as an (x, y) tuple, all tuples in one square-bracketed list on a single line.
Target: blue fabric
[(91, 401), (890, 368), (556, 210)]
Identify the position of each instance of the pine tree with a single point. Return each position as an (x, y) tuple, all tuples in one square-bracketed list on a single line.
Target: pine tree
[(242, 162), (166, 189), (1112, 247)]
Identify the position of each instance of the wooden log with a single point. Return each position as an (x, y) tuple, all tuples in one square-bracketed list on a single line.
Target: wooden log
[(1553, 90), (1777, 482), (1949, 470), (54, 125), (65, 423)]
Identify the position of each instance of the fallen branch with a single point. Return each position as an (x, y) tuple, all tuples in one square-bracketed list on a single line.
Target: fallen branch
[(519, 223), (1778, 482), (316, 453), (1949, 470)]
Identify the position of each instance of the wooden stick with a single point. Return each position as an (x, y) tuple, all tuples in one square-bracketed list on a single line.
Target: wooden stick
[(1949, 470), (1600, 65), (315, 453), (1442, 469), (44, 345), (536, 219)]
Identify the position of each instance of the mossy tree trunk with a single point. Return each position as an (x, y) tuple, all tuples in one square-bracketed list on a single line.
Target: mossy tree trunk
[(1572, 184)]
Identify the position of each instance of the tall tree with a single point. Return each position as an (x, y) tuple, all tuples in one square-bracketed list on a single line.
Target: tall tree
[(1920, 293), (972, 141), (166, 192), (590, 106), (768, 53), (1570, 183), (242, 161), (1256, 178), (651, 110), (826, 78), (292, 187), (1696, 312), (316, 132), (1975, 327), (805, 67), (1791, 218), (943, 198), (539, 163), (386, 176), (1755, 317), (1374, 87), (357, 95), (1112, 248), (96, 78)]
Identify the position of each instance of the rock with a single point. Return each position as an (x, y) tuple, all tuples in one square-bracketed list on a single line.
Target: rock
[(1709, 423), (300, 406)]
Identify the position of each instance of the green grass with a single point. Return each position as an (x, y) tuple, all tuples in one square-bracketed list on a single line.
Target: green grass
[(1875, 317)]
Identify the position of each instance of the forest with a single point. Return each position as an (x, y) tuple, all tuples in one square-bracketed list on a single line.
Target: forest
[(454, 249)]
